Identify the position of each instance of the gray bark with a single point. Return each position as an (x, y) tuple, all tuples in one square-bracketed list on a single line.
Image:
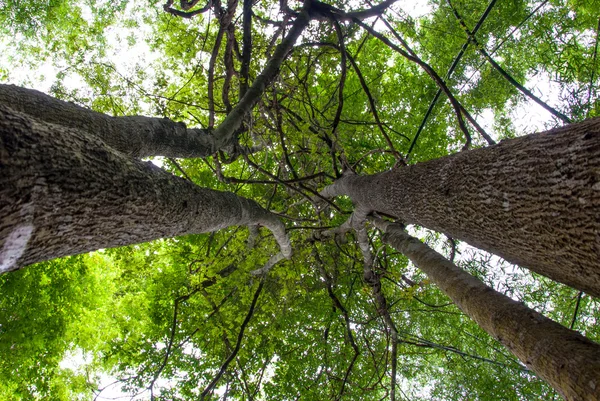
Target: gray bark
[(63, 192), (568, 361), (533, 200), (135, 136)]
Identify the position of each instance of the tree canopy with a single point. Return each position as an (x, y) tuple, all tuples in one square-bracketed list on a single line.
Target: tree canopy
[(361, 88)]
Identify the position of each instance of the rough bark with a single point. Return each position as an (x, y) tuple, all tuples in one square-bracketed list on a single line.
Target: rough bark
[(63, 192), (568, 361), (137, 136), (534, 200)]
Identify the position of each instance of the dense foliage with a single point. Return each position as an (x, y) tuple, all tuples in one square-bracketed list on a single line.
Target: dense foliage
[(163, 320)]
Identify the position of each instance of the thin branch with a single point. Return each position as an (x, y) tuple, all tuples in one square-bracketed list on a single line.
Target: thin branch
[(247, 47), (448, 74), (228, 57), (238, 343), (501, 43), (503, 72), (174, 162), (431, 72), (576, 310), (342, 309), (342, 82), (211, 76), (593, 67), (373, 107), (226, 130)]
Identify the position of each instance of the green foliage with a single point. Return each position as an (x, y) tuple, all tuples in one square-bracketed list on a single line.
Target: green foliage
[(161, 318), (48, 311)]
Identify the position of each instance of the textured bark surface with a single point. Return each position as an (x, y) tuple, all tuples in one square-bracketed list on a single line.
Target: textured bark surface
[(568, 361), (534, 200), (63, 192), (136, 136)]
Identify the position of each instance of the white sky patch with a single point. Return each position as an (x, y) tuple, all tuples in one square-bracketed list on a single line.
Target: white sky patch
[(40, 78), (86, 12), (158, 161), (486, 120), (410, 8), (415, 9), (474, 77), (529, 117), (110, 388), (126, 49)]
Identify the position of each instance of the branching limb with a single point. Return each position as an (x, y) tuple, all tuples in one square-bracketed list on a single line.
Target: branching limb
[(373, 107), (448, 75), (252, 235), (342, 82), (373, 279), (186, 6), (247, 47), (270, 263), (225, 132), (154, 203), (323, 11), (431, 72)]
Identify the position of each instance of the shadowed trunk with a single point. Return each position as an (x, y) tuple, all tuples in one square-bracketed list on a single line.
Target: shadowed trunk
[(63, 192), (137, 136), (533, 200), (568, 361)]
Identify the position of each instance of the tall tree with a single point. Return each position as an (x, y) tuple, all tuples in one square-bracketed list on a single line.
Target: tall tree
[(65, 192), (267, 103), (564, 358), (534, 200)]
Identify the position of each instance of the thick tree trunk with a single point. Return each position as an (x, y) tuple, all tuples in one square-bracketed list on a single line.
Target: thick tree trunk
[(568, 361), (534, 200), (63, 192), (136, 136)]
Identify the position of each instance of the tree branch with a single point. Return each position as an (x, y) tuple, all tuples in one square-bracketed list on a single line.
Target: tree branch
[(238, 343)]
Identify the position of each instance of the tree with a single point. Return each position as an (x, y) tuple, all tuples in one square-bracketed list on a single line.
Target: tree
[(532, 200), (340, 99), (81, 195), (562, 357)]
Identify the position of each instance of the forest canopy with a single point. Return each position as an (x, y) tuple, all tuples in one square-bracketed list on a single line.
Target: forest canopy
[(291, 112)]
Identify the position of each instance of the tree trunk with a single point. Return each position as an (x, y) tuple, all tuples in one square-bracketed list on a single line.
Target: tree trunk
[(63, 192), (533, 200), (136, 136), (568, 361)]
